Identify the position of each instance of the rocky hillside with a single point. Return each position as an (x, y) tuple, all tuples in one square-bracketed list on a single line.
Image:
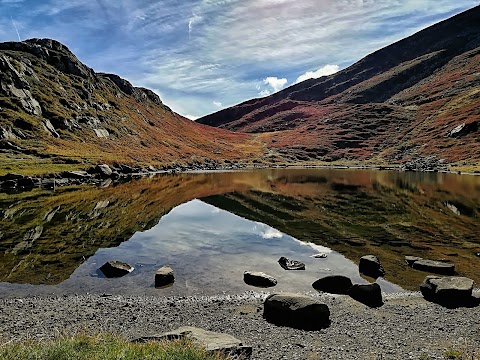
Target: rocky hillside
[(58, 114), (416, 99)]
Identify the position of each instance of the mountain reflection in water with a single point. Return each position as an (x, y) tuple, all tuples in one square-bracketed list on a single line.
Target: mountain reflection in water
[(49, 238)]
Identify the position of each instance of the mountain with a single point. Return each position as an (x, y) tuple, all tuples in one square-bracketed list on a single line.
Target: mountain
[(418, 98), (57, 114)]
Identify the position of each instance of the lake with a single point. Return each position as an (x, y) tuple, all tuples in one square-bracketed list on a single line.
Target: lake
[(211, 227)]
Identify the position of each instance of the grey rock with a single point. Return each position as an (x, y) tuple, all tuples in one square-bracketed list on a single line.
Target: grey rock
[(114, 269), (320, 256), (164, 277), (436, 267), (103, 170), (370, 294), (296, 311), (76, 175), (411, 259), (370, 265), (213, 342), (259, 279), (333, 284), (288, 264), (450, 291)]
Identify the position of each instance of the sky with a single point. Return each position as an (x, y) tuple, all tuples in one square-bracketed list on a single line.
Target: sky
[(204, 55)]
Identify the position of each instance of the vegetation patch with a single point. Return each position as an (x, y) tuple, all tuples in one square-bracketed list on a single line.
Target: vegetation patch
[(103, 347)]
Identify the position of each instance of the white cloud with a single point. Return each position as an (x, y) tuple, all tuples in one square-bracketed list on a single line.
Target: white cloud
[(229, 45), (323, 71), (218, 104), (273, 83), (192, 117)]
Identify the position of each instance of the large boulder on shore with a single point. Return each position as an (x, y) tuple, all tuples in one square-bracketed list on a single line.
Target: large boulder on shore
[(370, 266), (259, 279), (213, 342), (115, 268), (288, 264), (436, 267), (164, 277), (370, 294), (333, 284), (296, 311), (450, 291)]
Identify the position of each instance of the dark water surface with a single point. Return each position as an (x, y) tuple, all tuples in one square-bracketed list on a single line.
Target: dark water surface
[(211, 227)]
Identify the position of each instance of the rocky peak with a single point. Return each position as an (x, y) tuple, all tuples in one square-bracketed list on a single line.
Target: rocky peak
[(53, 52)]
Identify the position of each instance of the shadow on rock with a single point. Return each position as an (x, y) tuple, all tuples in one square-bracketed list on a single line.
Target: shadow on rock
[(296, 311), (451, 292), (370, 295)]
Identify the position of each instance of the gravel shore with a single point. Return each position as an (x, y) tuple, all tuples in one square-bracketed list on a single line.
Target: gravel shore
[(406, 327)]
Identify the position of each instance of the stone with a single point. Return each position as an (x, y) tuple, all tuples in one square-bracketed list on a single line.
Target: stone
[(411, 259), (115, 269), (76, 175), (451, 290), (103, 170), (436, 267), (288, 264), (333, 284), (296, 311), (320, 256), (370, 266), (370, 294), (213, 342), (259, 279), (164, 277)]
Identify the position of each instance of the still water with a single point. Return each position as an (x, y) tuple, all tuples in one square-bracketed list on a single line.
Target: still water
[(211, 227)]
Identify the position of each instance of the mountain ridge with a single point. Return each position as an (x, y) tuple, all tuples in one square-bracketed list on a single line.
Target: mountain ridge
[(390, 89), (56, 113)]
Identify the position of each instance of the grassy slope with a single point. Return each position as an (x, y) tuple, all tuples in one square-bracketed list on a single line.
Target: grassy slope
[(104, 347), (140, 132), (396, 104)]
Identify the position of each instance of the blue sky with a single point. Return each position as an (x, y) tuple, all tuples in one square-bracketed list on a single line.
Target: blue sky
[(204, 55)]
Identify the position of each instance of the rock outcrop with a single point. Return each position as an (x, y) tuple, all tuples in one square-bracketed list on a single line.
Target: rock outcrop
[(115, 268), (164, 277), (370, 266), (370, 294), (213, 342), (333, 284), (259, 279), (451, 291), (288, 264), (297, 311)]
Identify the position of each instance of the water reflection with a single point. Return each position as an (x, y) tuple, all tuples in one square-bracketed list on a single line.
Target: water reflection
[(50, 238)]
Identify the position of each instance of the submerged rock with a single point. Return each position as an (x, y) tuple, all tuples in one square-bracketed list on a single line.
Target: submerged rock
[(333, 284), (411, 259), (320, 256), (164, 276), (436, 267), (213, 342), (288, 264), (114, 269), (296, 311), (259, 279), (370, 294), (370, 266)]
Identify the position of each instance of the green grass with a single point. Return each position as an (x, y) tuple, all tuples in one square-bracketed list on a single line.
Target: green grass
[(104, 347)]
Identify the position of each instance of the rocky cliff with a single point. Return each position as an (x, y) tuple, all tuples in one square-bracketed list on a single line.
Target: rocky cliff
[(417, 98), (57, 114)]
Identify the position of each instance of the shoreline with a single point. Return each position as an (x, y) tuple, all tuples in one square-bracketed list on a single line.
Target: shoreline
[(20, 183), (406, 326)]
